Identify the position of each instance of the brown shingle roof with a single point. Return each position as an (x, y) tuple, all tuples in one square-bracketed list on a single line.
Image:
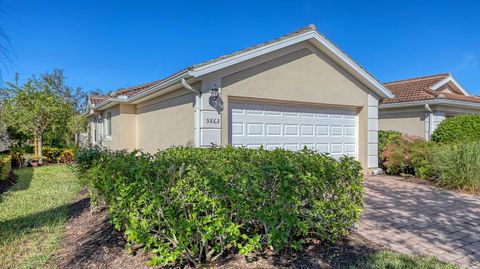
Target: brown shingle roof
[(419, 89)]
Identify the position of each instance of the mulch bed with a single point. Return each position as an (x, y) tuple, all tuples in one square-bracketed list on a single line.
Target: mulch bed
[(91, 242), (350, 251), (7, 183)]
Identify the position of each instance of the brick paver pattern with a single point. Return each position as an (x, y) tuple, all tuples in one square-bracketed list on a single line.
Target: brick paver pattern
[(418, 219)]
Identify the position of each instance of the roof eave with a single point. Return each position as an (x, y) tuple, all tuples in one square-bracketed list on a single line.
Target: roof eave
[(174, 79), (450, 102)]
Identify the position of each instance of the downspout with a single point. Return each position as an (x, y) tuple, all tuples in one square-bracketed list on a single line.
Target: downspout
[(430, 121), (198, 119)]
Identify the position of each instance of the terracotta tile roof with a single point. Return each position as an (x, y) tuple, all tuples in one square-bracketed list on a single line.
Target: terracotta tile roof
[(419, 89), (95, 99), (135, 89)]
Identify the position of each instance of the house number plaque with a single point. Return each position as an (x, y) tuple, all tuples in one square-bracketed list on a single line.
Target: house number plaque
[(211, 119)]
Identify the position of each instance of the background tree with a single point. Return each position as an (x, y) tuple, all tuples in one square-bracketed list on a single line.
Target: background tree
[(43, 108)]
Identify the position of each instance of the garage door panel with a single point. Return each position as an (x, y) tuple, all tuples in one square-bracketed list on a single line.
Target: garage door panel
[(331, 131)]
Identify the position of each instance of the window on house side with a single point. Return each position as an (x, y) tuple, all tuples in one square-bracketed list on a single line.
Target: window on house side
[(95, 129), (109, 124)]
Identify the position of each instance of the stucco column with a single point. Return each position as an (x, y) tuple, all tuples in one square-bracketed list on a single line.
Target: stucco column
[(372, 158), (211, 117)]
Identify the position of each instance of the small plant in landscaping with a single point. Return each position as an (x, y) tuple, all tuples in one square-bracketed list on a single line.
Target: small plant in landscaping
[(197, 204), (5, 166), (67, 156)]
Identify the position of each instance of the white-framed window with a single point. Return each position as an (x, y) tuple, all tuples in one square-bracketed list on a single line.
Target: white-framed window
[(95, 121), (108, 124)]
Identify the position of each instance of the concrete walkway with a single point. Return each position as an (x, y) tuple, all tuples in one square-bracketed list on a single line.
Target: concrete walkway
[(419, 219)]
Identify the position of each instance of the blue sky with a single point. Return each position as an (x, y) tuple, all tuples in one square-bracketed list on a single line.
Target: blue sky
[(113, 44)]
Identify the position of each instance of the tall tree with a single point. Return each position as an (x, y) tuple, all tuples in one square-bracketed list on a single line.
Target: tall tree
[(34, 108)]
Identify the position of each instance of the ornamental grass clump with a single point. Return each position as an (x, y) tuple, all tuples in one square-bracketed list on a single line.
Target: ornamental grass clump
[(195, 205), (457, 166)]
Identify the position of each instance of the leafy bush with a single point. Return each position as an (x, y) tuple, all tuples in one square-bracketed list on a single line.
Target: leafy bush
[(196, 204), (51, 153), (86, 157), (386, 138), (17, 156), (67, 156), (409, 155), (458, 128), (5, 166), (457, 166)]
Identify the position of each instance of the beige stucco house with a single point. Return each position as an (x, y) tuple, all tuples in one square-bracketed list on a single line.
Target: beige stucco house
[(421, 104), (297, 91)]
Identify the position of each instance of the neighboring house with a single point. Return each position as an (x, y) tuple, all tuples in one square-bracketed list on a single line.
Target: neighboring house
[(293, 92), (420, 104)]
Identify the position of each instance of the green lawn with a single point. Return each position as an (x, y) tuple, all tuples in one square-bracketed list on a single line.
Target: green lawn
[(394, 260), (33, 213)]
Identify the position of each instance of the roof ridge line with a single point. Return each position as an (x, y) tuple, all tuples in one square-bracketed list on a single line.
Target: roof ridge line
[(418, 78)]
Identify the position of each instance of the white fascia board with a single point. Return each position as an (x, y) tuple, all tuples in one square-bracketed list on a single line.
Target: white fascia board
[(176, 78), (432, 102), (447, 80), (376, 86)]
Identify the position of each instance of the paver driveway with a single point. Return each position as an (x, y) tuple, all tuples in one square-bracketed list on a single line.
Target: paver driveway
[(419, 219)]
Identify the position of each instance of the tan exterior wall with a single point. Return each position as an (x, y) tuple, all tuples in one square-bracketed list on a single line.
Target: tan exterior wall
[(165, 121), (123, 127), (412, 123), (300, 77)]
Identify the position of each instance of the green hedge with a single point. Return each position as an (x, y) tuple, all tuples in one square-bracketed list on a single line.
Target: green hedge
[(5, 166), (196, 204), (458, 128)]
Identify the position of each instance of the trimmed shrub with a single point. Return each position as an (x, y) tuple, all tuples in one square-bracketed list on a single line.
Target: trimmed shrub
[(197, 204), (409, 155), (458, 128), (5, 166), (457, 166)]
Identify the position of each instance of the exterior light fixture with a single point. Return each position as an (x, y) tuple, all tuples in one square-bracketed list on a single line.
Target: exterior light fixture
[(215, 93), (215, 100)]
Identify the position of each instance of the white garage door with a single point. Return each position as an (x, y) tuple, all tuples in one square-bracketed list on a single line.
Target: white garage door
[(331, 131)]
